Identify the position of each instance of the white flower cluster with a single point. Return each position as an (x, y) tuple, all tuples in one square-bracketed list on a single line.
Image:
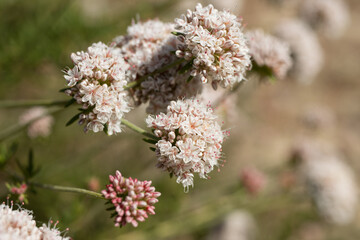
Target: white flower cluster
[(328, 16), (213, 40), (51, 233), (148, 47), (269, 51), (20, 224), (330, 183), (305, 49), (97, 82), (41, 127), (237, 225), (190, 141)]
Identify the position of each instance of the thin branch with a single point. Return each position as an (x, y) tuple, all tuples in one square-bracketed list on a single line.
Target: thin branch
[(31, 103)]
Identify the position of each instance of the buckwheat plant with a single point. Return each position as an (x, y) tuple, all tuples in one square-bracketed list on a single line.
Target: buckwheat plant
[(166, 66)]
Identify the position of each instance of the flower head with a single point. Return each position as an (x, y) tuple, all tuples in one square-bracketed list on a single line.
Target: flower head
[(41, 127), (20, 224), (329, 181), (269, 52), (148, 47), (213, 40), (305, 49), (133, 199), (328, 16), (190, 140), (97, 82), (49, 232), (17, 224)]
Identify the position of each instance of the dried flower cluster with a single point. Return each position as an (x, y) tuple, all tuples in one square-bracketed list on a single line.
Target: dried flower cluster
[(328, 16), (269, 52), (133, 199), (97, 82), (41, 123), (190, 141), (148, 47), (213, 40), (20, 224), (330, 183), (305, 49)]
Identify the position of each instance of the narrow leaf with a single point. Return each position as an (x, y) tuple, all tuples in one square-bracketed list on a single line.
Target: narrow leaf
[(73, 119)]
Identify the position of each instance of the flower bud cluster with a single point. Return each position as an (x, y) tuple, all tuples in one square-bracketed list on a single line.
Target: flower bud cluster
[(148, 47), (133, 199), (190, 140), (270, 52), (213, 40), (97, 82)]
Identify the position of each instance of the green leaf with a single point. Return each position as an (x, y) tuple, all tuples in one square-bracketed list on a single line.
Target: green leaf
[(151, 141), (70, 102), (189, 79), (73, 119), (30, 167), (64, 89), (177, 33), (22, 168), (152, 149)]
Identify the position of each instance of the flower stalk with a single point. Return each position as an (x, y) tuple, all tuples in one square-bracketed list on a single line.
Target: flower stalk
[(67, 189), (31, 103), (137, 129)]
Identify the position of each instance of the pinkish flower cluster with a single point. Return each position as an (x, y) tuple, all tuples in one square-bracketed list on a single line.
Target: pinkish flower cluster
[(213, 40), (270, 52), (148, 47), (41, 123), (190, 141), (20, 224), (97, 82), (253, 180), (133, 199), (19, 190)]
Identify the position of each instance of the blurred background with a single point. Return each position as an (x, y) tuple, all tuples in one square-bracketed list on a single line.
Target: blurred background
[(268, 126)]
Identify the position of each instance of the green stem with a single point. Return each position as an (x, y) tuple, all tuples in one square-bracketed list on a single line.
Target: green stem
[(30, 103), (22, 126), (137, 129), (160, 70), (67, 189)]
